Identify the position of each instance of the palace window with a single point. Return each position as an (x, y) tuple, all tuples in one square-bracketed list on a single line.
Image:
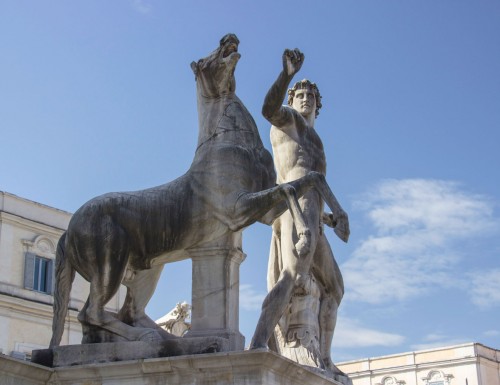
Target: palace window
[(41, 276), (38, 272), (39, 264)]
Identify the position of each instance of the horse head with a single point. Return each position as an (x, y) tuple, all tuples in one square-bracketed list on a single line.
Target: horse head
[(215, 73)]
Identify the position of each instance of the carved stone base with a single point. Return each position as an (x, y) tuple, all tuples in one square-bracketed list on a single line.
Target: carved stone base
[(125, 351), (256, 367)]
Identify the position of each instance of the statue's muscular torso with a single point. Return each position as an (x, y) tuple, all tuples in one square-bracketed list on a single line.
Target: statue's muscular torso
[(297, 149)]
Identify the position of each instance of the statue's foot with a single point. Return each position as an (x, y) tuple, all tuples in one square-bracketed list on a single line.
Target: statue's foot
[(335, 373), (303, 246), (257, 344)]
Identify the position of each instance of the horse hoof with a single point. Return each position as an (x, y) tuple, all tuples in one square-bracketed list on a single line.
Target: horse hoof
[(303, 246), (150, 336)]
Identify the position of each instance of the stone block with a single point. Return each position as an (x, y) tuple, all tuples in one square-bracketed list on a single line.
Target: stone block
[(84, 354)]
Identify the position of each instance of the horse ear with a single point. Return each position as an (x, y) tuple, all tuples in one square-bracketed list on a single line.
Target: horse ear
[(194, 67)]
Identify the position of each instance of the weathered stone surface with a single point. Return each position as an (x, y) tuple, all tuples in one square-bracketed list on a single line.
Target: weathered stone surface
[(125, 351), (215, 291), (257, 367), (17, 372)]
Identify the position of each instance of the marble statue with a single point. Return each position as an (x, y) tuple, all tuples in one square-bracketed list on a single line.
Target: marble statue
[(174, 321), (304, 290), (126, 238)]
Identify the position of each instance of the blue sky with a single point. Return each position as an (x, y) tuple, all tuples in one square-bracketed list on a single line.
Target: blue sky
[(99, 96)]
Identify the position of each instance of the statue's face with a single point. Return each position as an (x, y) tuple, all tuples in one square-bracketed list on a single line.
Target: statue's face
[(304, 101)]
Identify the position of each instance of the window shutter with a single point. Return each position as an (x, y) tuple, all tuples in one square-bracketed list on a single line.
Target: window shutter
[(29, 270), (50, 277)]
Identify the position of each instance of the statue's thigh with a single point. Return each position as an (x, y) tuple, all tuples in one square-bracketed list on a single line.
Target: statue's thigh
[(288, 239), (326, 269)]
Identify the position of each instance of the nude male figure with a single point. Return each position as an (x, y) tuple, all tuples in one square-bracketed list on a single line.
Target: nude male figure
[(298, 150)]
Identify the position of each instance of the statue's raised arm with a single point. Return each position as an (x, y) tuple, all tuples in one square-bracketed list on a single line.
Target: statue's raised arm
[(273, 110)]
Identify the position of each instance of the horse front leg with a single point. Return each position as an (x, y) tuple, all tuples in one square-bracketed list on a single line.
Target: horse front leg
[(253, 207)]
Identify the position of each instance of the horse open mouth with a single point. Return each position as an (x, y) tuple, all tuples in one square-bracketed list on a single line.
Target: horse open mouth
[(230, 49)]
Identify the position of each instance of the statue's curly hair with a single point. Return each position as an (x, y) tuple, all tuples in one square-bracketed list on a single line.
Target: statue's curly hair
[(302, 84)]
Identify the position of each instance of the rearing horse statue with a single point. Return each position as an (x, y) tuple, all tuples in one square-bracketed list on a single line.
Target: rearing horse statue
[(128, 237)]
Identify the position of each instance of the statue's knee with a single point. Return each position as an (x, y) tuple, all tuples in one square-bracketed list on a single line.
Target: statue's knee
[(301, 281), (316, 175), (288, 276), (288, 190)]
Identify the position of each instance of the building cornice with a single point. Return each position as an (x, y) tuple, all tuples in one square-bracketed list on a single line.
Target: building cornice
[(33, 211), (30, 224), (13, 294)]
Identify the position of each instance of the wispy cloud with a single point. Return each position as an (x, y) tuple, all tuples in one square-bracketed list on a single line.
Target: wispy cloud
[(350, 333), (437, 340), (142, 6), (418, 224), (485, 291), (491, 333), (250, 299)]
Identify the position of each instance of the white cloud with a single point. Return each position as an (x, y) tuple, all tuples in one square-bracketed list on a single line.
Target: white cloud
[(350, 334), (438, 340), (435, 337), (427, 205), (418, 224), (142, 6), (491, 333), (485, 291), (251, 299), (439, 344)]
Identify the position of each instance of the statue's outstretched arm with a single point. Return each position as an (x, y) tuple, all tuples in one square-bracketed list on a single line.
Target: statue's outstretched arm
[(272, 109)]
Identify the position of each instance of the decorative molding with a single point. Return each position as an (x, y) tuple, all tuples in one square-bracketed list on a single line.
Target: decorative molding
[(42, 246), (390, 380), (437, 376)]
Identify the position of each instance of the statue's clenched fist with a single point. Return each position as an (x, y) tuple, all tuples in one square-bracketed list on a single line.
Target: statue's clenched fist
[(292, 61)]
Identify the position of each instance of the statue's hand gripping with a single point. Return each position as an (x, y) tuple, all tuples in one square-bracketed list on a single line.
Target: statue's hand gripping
[(292, 61), (339, 222)]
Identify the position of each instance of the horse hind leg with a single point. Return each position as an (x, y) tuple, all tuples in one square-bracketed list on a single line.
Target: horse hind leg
[(140, 288), (101, 325), (95, 334)]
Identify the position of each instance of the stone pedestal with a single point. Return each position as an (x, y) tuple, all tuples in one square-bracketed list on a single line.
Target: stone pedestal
[(257, 367), (215, 290), (70, 355)]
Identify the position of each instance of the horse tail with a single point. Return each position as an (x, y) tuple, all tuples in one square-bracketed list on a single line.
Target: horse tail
[(65, 274)]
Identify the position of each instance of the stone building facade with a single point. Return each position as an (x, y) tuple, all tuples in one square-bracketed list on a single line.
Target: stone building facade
[(467, 364), (29, 232)]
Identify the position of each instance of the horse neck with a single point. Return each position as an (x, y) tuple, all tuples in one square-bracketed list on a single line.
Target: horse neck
[(209, 112)]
